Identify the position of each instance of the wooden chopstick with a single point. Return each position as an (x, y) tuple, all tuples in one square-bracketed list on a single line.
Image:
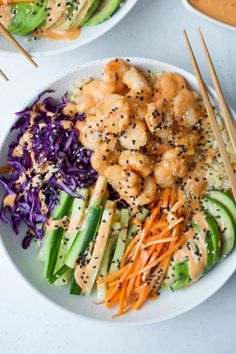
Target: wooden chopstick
[(11, 39), (3, 75), (212, 118), (223, 105)]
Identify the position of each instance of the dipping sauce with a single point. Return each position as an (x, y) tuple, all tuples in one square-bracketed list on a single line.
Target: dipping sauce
[(221, 10)]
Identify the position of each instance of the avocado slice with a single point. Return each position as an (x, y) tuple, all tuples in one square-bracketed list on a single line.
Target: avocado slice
[(212, 240), (225, 224), (27, 16), (69, 20), (104, 11), (90, 11), (177, 276), (226, 200)]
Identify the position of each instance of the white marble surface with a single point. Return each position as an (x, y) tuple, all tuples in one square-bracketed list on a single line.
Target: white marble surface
[(28, 323)]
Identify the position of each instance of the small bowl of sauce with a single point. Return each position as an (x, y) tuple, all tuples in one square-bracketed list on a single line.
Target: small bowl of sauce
[(221, 12)]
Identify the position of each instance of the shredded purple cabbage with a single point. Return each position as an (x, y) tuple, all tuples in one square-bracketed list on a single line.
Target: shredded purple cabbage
[(57, 147)]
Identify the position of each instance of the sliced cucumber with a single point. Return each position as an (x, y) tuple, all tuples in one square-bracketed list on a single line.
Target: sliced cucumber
[(103, 270), (53, 238), (104, 11), (225, 223), (76, 217), (121, 241), (85, 237), (226, 200), (99, 247)]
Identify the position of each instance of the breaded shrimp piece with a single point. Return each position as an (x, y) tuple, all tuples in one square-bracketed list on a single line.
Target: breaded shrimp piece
[(135, 136), (125, 182), (138, 84), (168, 86), (97, 89), (173, 165), (185, 108), (91, 138), (113, 114), (186, 138), (86, 104), (137, 162), (114, 73), (148, 192), (100, 159), (159, 119)]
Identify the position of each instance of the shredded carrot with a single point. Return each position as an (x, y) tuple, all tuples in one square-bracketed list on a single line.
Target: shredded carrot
[(146, 259)]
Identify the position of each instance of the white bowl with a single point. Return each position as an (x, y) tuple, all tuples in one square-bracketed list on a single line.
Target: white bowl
[(169, 304), (44, 47), (208, 18)]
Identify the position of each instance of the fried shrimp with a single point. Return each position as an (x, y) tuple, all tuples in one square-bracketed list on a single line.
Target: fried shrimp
[(148, 192), (113, 75), (169, 85), (173, 165), (113, 115), (96, 89), (135, 136), (137, 162), (138, 84), (125, 182), (100, 159), (142, 130), (158, 119), (185, 108), (91, 138)]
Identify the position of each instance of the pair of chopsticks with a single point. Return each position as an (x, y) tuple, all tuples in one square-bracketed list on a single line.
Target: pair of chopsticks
[(210, 111), (11, 39)]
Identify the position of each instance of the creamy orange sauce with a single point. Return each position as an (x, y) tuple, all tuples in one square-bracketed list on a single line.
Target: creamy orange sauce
[(67, 124), (5, 15), (53, 34), (5, 169), (221, 10), (9, 200), (55, 224), (187, 252), (55, 13)]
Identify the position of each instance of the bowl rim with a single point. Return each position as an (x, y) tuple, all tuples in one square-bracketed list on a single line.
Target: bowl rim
[(192, 9), (169, 68), (111, 22)]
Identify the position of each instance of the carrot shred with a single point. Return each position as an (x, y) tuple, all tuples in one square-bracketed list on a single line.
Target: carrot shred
[(146, 259)]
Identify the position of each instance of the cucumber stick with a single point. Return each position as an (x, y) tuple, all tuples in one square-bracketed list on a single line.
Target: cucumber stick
[(121, 241), (91, 222), (103, 270), (52, 238), (140, 217), (87, 231), (98, 192), (80, 243), (85, 237), (99, 248), (76, 217)]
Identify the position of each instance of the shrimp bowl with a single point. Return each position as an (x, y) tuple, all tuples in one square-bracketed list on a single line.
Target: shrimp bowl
[(113, 183), (48, 27)]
